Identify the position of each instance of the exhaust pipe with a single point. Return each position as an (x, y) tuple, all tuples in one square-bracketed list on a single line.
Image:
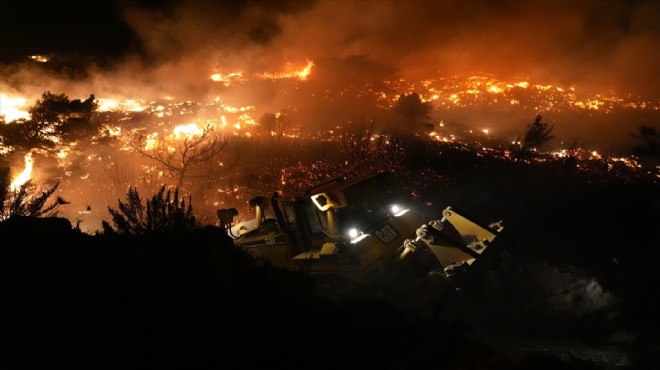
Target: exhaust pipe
[(259, 203)]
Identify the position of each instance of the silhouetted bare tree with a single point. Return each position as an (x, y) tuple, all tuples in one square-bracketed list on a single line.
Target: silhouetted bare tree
[(178, 158), (537, 134), (355, 144)]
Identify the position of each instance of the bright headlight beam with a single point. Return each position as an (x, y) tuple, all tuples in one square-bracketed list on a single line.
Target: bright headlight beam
[(397, 210), (359, 238), (401, 212), (356, 236)]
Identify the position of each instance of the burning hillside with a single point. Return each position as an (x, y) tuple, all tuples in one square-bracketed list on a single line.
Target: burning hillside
[(227, 99), (224, 154)]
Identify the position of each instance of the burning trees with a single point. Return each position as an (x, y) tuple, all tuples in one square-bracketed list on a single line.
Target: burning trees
[(22, 201), (54, 120)]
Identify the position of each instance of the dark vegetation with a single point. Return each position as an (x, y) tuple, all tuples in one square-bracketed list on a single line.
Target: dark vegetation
[(164, 211), (25, 201), (158, 288)]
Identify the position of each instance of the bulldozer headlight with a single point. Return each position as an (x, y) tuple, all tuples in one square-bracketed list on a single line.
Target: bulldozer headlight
[(397, 210), (355, 236)]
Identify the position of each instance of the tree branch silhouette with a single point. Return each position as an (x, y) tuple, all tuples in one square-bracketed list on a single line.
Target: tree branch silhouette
[(179, 158)]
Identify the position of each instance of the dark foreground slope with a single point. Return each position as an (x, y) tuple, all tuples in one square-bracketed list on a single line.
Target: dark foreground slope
[(177, 300), (588, 298)]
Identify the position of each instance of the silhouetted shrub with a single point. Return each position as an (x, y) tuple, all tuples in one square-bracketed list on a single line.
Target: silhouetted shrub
[(163, 212)]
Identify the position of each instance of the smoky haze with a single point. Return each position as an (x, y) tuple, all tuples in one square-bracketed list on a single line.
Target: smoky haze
[(595, 46)]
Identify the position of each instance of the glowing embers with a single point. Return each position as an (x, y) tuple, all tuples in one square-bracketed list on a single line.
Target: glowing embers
[(482, 90)]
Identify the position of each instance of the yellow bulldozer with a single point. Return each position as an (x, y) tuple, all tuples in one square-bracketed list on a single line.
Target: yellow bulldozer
[(363, 230)]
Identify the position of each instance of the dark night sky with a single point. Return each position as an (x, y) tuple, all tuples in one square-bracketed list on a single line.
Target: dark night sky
[(101, 29), (610, 44), (89, 28)]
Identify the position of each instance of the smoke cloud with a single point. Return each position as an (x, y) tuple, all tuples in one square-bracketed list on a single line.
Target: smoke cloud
[(596, 44)]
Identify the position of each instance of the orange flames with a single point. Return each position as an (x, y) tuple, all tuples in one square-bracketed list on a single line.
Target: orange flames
[(228, 79), (301, 74), (460, 92), (13, 107), (233, 78), (25, 175), (185, 131)]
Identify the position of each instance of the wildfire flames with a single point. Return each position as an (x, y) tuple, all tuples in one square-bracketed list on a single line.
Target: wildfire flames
[(24, 176), (445, 93), (111, 160), (233, 78), (476, 91), (301, 74), (13, 108)]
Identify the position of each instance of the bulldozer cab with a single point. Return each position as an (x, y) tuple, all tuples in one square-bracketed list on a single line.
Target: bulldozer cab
[(341, 227), (306, 226)]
